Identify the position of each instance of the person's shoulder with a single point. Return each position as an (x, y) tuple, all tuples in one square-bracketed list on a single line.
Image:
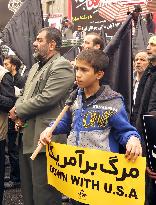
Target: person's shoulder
[(34, 66), (63, 62), (7, 79), (109, 93), (72, 97), (3, 72), (8, 76), (62, 58), (111, 98), (18, 75)]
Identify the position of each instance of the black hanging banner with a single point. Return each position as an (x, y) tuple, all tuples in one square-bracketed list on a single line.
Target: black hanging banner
[(5, 13), (21, 31), (120, 72)]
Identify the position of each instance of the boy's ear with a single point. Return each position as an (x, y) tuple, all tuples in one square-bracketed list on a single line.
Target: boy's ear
[(100, 74)]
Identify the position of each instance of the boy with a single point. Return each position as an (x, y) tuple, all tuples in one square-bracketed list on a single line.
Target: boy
[(97, 117)]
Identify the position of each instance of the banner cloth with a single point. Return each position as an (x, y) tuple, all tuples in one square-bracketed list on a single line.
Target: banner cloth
[(94, 176)]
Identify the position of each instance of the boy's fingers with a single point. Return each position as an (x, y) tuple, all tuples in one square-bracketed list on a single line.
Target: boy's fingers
[(138, 151), (49, 139), (42, 141), (136, 154), (45, 137), (129, 152), (42, 136), (128, 149), (133, 152), (133, 149)]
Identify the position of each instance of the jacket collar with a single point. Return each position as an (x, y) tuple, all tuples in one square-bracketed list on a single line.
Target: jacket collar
[(106, 94), (47, 61)]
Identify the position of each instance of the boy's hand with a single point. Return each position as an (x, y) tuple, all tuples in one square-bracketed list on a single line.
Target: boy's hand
[(45, 136), (133, 149)]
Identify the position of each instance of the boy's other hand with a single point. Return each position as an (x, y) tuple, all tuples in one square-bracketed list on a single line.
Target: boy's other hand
[(133, 149), (45, 136)]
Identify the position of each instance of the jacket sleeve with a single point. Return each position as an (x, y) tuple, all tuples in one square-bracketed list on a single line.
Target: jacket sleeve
[(64, 125), (19, 81), (152, 100), (121, 127), (60, 80), (7, 93)]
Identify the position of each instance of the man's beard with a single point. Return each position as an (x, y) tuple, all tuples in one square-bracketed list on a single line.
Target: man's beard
[(38, 57)]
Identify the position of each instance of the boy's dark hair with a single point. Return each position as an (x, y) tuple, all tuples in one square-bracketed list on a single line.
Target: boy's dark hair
[(97, 40), (53, 34), (96, 58), (14, 60)]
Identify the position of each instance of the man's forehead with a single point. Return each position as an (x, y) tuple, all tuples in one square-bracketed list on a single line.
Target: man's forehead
[(141, 55), (6, 60), (89, 37), (152, 40), (42, 34)]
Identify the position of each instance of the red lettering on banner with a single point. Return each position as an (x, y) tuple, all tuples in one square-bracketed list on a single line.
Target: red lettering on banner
[(92, 4)]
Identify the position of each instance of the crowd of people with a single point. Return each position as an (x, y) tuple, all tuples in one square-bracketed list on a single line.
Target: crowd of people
[(34, 103)]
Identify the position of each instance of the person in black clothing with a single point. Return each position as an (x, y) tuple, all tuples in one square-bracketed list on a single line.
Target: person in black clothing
[(145, 103), (146, 93), (7, 100), (13, 64), (150, 25)]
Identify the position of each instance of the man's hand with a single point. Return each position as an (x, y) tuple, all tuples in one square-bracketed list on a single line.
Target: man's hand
[(18, 124), (150, 173), (45, 136), (12, 114), (133, 149)]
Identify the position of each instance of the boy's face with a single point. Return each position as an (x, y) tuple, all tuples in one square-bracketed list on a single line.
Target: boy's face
[(86, 77)]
